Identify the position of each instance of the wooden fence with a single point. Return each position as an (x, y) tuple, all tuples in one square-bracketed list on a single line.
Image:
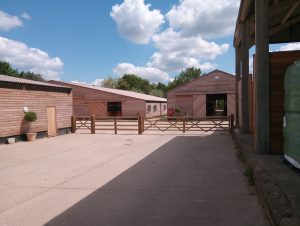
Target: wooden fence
[(141, 124)]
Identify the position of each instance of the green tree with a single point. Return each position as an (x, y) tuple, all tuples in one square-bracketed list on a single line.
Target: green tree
[(184, 77), (133, 82), (156, 92), (6, 69), (110, 82)]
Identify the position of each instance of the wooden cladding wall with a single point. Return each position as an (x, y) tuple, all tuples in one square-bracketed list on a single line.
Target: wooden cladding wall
[(156, 109), (88, 101), (279, 62), (14, 100), (190, 98)]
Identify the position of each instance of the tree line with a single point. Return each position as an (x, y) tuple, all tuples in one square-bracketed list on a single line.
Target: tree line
[(135, 83), (129, 82), (7, 69)]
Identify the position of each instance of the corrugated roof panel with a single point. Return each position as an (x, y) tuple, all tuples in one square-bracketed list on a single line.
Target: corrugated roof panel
[(11, 79), (120, 92)]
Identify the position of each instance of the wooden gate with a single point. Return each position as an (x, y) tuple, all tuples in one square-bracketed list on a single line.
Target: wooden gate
[(140, 124), (186, 124)]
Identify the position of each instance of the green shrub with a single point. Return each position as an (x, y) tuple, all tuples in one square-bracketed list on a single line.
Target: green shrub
[(177, 110), (30, 116)]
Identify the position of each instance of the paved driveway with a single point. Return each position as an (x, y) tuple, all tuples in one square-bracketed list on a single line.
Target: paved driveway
[(83, 179)]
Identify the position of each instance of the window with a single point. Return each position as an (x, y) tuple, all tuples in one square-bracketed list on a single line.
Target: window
[(154, 108), (165, 107), (149, 108)]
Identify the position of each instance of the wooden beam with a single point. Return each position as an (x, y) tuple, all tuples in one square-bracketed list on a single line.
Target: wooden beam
[(275, 9), (287, 24), (246, 7), (237, 79), (245, 73), (262, 118), (290, 12)]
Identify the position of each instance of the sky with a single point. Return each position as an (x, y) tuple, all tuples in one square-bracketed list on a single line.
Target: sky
[(87, 41)]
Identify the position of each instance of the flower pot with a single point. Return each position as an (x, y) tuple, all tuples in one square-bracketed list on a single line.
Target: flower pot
[(11, 140), (31, 136)]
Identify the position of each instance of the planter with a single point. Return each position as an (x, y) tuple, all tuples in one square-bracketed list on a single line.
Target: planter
[(11, 140), (31, 136)]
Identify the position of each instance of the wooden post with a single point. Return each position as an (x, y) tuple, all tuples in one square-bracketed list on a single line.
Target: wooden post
[(140, 127), (183, 130), (73, 123), (245, 73), (93, 126), (143, 123), (115, 125), (262, 118), (237, 79), (231, 121)]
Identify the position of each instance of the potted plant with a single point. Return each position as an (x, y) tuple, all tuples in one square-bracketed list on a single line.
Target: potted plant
[(30, 117)]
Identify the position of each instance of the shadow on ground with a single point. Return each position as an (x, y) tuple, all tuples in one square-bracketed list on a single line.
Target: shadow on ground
[(188, 181)]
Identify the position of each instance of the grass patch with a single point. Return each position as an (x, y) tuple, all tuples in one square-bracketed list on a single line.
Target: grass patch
[(248, 172)]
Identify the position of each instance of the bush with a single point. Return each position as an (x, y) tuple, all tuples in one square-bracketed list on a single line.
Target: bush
[(30, 116)]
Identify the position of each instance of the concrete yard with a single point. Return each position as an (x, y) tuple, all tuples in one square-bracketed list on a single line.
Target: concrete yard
[(102, 179)]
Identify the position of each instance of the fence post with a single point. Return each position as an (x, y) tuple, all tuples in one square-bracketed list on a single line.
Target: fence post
[(73, 123), (140, 127), (143, 123), (115, 125), (93, 129), (183, 130)]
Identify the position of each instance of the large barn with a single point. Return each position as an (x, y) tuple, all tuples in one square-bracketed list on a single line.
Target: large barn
[(52, 103), (212, 94), (104, 102)]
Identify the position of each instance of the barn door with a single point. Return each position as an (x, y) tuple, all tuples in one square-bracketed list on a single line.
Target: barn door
[(51, 117)]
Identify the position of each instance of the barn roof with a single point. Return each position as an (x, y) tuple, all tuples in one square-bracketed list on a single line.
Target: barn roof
[(15, 82), (135, 95), (201, 77), (284, 21)]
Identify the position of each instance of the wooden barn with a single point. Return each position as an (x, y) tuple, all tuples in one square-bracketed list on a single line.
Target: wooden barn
[(279, 22), (212, 94), (52, 103), (104, 102)]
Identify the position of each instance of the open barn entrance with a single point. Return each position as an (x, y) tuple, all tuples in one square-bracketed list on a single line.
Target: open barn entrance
[(216, 104), (114, 109)]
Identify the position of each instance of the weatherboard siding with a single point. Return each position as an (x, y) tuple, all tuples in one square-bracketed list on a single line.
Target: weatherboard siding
[(190, 98), (89, 101), (14, 100)]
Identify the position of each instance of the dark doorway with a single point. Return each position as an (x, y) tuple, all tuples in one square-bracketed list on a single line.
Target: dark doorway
[(216, 104), (114, 108)]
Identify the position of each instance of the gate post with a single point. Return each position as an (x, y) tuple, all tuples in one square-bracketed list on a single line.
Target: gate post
[(93, 129), (73, 123), (183, 130), (115, 125), (140, 126)]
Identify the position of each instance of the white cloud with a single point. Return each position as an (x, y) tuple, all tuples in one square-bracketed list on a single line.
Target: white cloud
[(290, 46), (177, 52), (210, 19), (135, 21), (98, 82), (150, 73), (208, 66), (25, 58), (26, 16), (8, 22)]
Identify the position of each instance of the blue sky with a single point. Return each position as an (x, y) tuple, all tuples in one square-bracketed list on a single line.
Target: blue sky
[(89, 40)]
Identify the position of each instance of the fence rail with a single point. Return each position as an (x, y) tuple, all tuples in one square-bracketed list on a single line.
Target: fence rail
[(141, 124)]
